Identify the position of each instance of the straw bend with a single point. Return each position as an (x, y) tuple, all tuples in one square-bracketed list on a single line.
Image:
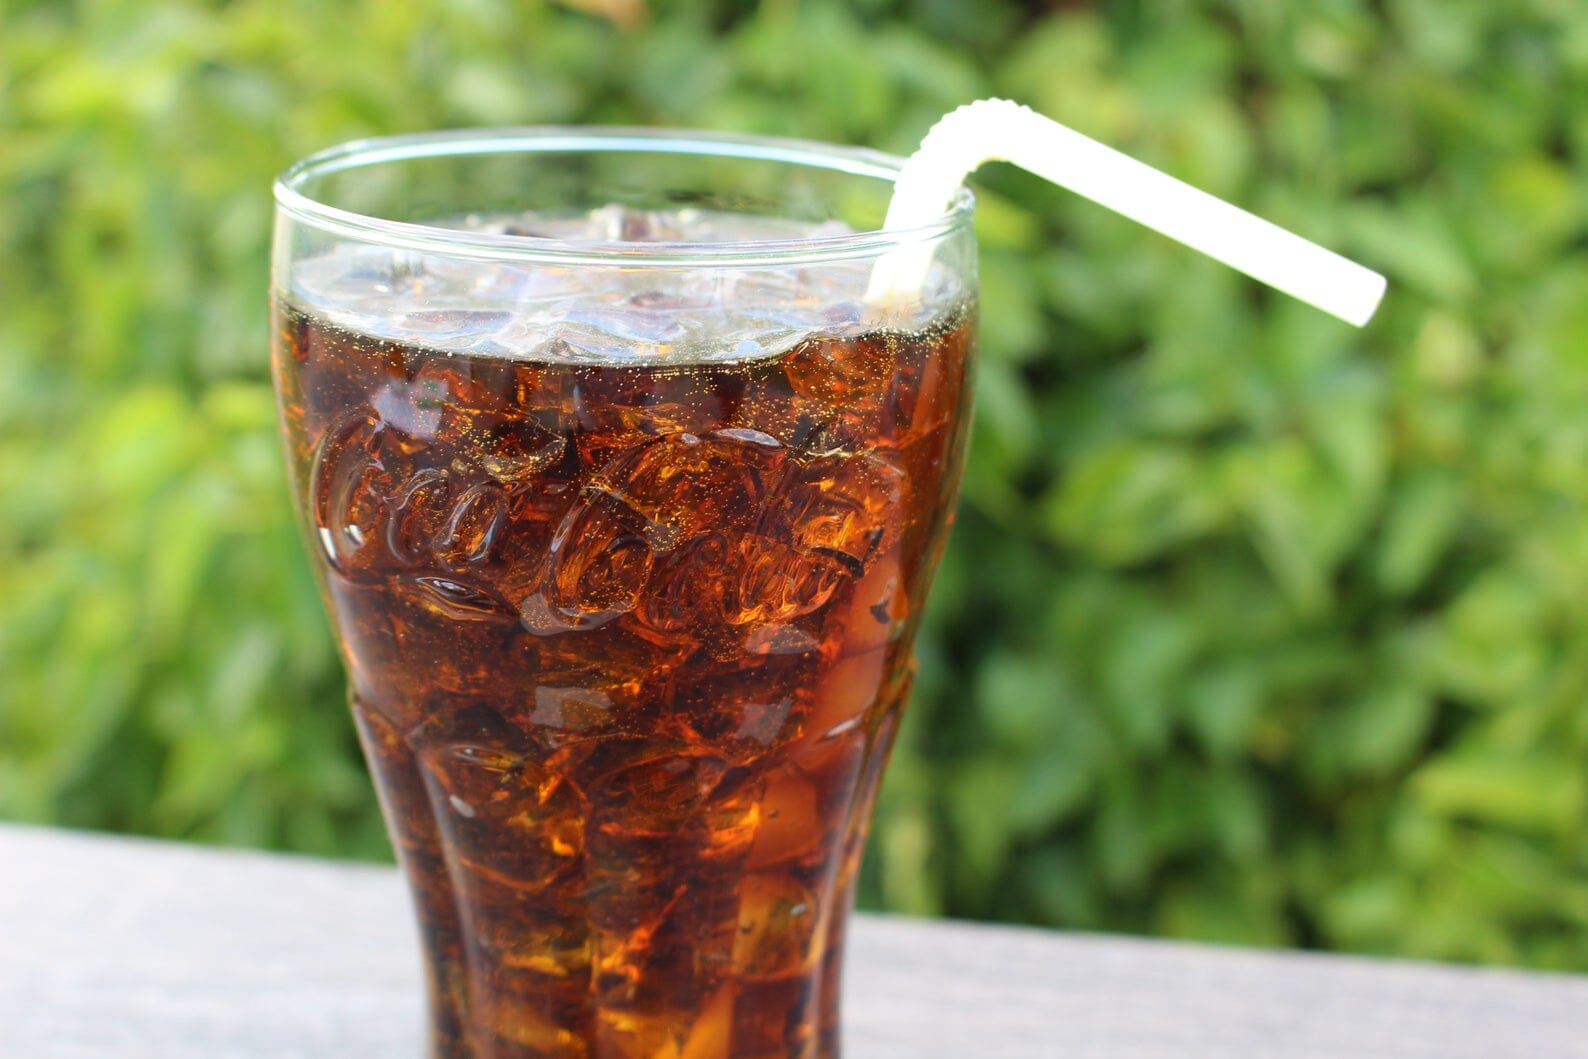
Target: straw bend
[(1001, 130)]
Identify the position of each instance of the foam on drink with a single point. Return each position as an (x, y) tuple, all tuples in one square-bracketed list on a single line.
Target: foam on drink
[(579, 315)]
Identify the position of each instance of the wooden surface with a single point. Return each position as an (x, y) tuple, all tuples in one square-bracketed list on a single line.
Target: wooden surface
[(115, 948)]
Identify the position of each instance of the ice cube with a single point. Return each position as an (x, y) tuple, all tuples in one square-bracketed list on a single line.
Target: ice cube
[(551, 942), (419, 508), (356, 465), (473, 525), (790, 820), (847, 507), (521, 449), (780, 640), (775, 583), (592, 683), (808, 799), (686, 484), (414, 409), (744, 706), (616, 223), (731, 816), (521, 1025), (702, 1030), (656, 797), (778, 934), (507, 822), (448, 325), (637, 328), (599, 561), (684, 595), (848, 689), (574, 709), (848, 373)]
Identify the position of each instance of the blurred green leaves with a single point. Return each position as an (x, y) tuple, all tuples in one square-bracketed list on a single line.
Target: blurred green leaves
[(1254, 627)]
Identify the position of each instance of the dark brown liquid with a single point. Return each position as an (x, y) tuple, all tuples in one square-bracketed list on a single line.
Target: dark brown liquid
[(628, 647)]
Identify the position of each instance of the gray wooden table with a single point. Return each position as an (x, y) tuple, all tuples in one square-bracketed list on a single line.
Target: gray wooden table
[(131, 949)]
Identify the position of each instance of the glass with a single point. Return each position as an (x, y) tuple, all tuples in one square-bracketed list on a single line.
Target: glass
[(625, 502)]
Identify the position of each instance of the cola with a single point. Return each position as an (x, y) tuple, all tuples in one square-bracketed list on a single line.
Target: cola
[(626, 583)]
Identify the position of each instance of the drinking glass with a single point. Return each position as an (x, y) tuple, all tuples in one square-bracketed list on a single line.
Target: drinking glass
[(625, 500)]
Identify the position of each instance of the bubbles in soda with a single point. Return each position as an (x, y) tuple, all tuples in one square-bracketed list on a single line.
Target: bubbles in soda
[(625, 574)]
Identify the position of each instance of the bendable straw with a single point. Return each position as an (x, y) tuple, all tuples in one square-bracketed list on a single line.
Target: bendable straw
[(1000, 130)]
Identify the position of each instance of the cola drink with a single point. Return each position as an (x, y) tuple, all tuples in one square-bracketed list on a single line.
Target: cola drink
[(626, 583)]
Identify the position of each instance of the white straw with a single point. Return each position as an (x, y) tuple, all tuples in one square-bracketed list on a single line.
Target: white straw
[(999, 130)]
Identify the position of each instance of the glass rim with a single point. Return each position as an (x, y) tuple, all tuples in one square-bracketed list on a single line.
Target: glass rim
[(294, 202)]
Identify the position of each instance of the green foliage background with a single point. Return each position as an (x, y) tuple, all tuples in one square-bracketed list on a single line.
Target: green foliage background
[(1255, 627)]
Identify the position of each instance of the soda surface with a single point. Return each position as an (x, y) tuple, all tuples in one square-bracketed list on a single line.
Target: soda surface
[(626, 583)]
